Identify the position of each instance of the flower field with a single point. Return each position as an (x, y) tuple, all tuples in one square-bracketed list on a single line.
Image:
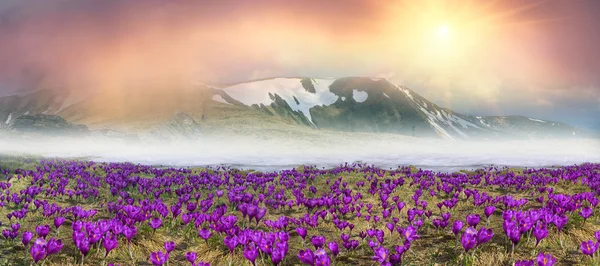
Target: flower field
[(56, 212)]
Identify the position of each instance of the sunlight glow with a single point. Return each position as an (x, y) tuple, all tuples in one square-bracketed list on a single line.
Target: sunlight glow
[(443, 31)]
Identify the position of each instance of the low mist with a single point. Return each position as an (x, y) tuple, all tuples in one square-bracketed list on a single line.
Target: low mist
[(267, 154)]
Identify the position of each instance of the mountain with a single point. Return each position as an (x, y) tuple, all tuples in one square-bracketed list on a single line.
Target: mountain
[(284, 106), (46, 125), (377, 105)]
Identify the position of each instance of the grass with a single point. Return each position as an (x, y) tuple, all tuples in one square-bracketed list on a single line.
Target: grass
[(435, 247)]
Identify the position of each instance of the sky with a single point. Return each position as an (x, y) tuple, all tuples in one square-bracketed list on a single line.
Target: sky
[(504, 57)]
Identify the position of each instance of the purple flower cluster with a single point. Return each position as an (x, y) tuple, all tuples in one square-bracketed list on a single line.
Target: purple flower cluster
[(248, 214)]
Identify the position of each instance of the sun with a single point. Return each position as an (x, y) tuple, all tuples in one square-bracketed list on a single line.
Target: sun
[(443, 31)]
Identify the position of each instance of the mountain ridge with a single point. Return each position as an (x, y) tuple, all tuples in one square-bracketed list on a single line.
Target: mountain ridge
[(351, 104)]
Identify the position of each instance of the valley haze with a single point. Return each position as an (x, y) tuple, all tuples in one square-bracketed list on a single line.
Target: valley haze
[(323, 149)]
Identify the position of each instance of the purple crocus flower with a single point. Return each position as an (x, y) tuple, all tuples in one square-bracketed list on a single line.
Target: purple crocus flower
[(489, 210), (484, 235), (473, 220), (334, 248), (205, 234), (540, 232), (83, 245), (155, 223), (42, 230), (251, 253), (277, 256), (457, 226), (109, 243), (589, 247), (38, 251), (586, 213), (58, 221), (321, 258), (301, 232), (169, 246), (306, 257), (318, 241), (545, 259), (524, 263), (26, 238), (231, 242), (54, 246), (381, 254), (158, 258), (191, 257), (469, 239), (129, 232), (410, 233)]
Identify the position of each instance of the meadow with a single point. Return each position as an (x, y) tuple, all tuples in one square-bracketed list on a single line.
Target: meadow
[(78, 212)]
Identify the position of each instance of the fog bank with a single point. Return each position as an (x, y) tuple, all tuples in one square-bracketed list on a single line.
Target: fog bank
[(263, 153)]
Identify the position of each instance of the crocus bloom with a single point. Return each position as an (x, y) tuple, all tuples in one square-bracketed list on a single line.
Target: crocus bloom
[(169, 246), (410, 233), (54, 246), (306, 257), (110, 243), (38, 252), (473, 219), (42, 230), (26, 238), (277, 256), (469, 239), (58, 221), (489, 210), (83, 245), (155, 223), (457, 226), (321, 258), (334, 248), (191, 257), (381, 254), (129, 232), (540, 232), (524, 263), (158, 258), (205, 234), (301, 232), (318, 241), (484, 235), (250, 253), (589, 247), (230, 242), (545, 259), (586, 212)]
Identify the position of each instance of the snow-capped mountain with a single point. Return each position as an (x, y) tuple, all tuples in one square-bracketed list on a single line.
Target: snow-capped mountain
[(353, 104), (377, 105)]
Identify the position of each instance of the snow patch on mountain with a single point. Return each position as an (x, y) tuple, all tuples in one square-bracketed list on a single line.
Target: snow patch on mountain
[(257, 92), (462, 122), (536, 120), (407, 93), (8, 119), (359, 96)]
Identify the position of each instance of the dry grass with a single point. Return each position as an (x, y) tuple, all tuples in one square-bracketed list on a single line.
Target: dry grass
[(436, 247)]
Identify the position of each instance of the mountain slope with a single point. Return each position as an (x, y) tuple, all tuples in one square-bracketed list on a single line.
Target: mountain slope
[(359, 104), (277, 105)]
